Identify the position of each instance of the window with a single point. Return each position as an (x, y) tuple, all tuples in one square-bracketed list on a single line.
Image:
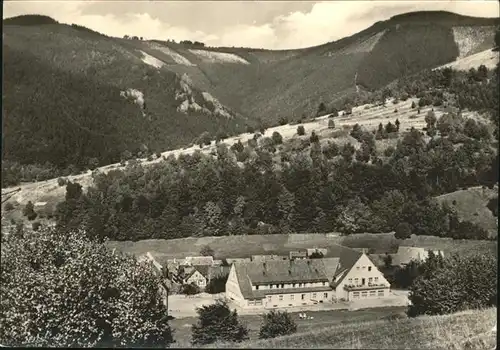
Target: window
[(270, 286), (356, 281), (257, 287), (258, 302), (269, 298), (376, 279), (364, 267), (282, 285), (293, 285), (370, 280), (251, 302), (380, 293), (303, 296), (281, 297), (355, 295), (324, 283), (325, 295), (357, 267), (292, 296), (350, 280), (372, 293), (369, 268), (277, 286), (314, 295), (364, 294)]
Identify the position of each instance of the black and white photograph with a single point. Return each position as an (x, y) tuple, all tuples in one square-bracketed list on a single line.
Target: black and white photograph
[(250, 174)]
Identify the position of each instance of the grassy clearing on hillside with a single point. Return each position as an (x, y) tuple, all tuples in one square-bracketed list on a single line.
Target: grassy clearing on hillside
[(471, 205), (182, 327), (464, 330), (245, 246)]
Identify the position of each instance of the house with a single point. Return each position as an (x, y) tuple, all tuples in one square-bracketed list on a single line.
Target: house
[(298, 254), (289, 283), (407, 254), (198, 275)]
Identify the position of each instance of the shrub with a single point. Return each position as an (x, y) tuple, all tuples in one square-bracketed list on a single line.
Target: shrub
[(275, 324), (314, 138), (8, 206), (463, 282), (29, 209), (250, 129), (330, 150), (301, 130), (468, 230), (62, 181), (331, 124), (216, 322), (413, 105), (283, 121), (93, 163), (493, 206), (238, 147), (403, 230), (190, 289), (207, 251), (389, 151), (316, 255), (277, 138), (36, 225), (217, 284), (158, 155)]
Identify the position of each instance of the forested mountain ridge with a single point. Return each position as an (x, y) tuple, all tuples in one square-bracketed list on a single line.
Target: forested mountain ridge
[(74, 114)]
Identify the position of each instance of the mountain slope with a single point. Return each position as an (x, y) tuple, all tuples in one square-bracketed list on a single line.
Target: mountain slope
[(70, 95), (80, 94)]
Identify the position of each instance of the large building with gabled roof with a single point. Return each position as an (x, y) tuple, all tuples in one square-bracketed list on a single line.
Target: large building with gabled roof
[(288, 283)]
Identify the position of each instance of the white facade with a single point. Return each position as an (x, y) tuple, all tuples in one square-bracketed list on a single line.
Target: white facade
[(363, 280)]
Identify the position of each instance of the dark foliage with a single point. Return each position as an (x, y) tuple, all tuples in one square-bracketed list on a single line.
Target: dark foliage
[(459, 283), (217, 284), (276, 324), (409, 48), (216, 322)]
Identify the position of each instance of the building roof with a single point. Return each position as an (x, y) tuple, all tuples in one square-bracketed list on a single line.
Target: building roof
[(292, 271), (199, 260), (216, 271), (407, 254)]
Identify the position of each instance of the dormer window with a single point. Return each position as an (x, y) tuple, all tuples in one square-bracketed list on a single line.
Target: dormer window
[(369, 268)]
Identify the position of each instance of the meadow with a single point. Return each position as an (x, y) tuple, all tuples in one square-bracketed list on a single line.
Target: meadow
[(338, 318), (281, 244), (464, 330)]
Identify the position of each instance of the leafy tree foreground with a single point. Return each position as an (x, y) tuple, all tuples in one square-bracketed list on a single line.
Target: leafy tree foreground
[(67, 291)]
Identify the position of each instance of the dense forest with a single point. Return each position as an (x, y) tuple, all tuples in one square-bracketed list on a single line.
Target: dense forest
[(308, 184), (312, 188)]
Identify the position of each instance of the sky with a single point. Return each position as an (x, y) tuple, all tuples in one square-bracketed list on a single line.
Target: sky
[(258, 24)]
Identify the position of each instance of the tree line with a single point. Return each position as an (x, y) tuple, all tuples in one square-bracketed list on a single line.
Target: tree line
[(314, 186)]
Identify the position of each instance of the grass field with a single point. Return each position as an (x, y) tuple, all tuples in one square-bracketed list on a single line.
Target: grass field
[(182, 327), (245, 246), (465, 330)]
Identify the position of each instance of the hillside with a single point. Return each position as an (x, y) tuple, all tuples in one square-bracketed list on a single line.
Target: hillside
[(472, 205), (79, 95), (463, 330), (58, 75)]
